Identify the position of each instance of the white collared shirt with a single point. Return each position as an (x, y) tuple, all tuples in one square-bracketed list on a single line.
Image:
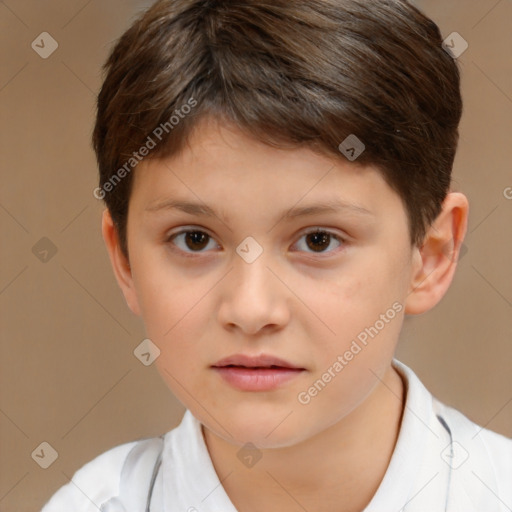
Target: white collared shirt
[(442, 462)]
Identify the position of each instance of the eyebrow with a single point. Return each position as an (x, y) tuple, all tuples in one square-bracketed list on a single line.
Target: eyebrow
[(201, 209)]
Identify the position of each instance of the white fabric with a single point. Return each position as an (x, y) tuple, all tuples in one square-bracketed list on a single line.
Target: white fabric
[(418, 479)]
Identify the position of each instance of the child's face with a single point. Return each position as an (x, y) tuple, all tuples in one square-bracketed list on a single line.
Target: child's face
[(304, 299)]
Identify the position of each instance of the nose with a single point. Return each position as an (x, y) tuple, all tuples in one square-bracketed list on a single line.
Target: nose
[(254, 297)]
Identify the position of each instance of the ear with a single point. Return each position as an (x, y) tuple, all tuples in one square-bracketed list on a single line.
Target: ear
[(435, 262), (120, 263)]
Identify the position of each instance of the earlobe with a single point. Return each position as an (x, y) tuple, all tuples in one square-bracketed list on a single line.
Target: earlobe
[(434, 264), (120, 264)]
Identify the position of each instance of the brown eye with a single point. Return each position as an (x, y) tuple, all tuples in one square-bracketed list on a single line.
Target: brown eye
[(196, 240), (319, 240), (190, 241)]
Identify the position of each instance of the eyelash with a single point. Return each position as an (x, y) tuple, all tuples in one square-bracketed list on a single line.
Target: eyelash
[(193, 254)]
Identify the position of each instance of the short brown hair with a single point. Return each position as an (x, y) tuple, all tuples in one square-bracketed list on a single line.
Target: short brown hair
[(288, 72)]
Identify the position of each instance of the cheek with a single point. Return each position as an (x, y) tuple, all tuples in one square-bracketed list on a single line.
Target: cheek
[(176, 324), (353, 299), (166, 295), (172, 307), (362, 308)]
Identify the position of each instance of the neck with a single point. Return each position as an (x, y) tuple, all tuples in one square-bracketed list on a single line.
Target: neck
[(338, 469)]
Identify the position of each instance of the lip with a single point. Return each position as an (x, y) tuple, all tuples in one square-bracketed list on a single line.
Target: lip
[(256, 373), (261, 361)]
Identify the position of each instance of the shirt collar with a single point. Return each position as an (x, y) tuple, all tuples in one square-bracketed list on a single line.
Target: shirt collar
[(416, 478)]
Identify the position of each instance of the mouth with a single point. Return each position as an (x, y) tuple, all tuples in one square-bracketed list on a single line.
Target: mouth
[(271, 367), (256, 373), (262, 361)]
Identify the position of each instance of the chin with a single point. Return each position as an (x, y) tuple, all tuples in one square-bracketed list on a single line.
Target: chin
[(264, 431)]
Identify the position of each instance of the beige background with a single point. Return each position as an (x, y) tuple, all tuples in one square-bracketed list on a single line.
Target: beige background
[(68, 373)]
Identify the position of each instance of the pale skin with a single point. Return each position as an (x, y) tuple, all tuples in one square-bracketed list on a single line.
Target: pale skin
[(292, 302)]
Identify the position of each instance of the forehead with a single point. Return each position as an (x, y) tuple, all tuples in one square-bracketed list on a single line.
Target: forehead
[(221, 166)]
